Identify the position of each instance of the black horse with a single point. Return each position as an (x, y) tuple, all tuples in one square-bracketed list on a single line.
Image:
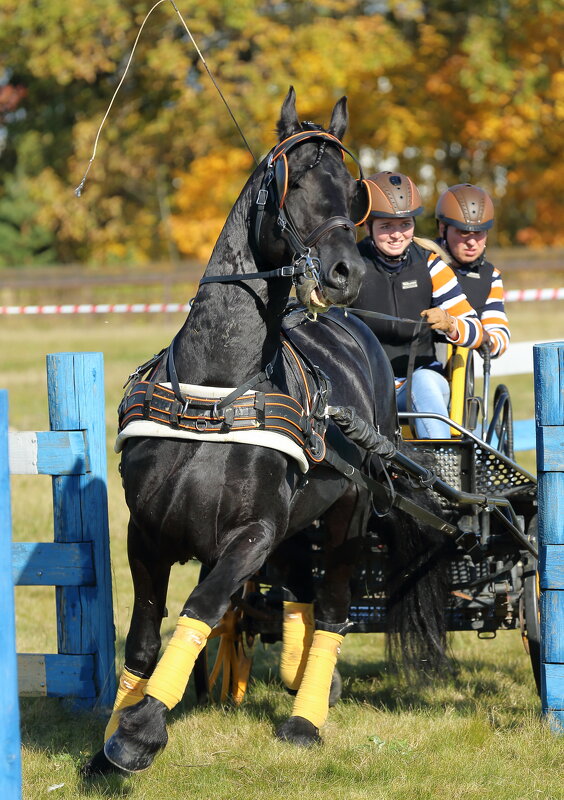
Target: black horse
[(228, 504)]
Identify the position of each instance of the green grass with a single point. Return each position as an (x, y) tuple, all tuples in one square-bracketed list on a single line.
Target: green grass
[(476, 737)]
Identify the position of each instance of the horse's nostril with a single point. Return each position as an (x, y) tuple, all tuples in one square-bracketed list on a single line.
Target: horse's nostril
[(340, 271)]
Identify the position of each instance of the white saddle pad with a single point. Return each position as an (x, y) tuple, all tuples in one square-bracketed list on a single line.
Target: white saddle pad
[(270, 439)]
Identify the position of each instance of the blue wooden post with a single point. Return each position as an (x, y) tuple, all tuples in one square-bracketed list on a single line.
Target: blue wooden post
[(549, 412), (10, 758), (84, 613)]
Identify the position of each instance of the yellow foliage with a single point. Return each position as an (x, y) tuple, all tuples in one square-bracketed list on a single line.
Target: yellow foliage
[(450, 91), (205, 196)]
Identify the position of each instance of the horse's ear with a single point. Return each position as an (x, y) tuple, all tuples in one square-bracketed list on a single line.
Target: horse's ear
[(339, 119), (288, 122)]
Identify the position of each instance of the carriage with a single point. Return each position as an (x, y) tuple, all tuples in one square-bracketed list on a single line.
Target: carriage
[(482, 491)]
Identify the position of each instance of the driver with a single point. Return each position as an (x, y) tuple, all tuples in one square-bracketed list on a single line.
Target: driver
[(407, 278), (464, 215)]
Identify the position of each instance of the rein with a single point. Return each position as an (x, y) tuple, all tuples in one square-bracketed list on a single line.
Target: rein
[(380, 315)]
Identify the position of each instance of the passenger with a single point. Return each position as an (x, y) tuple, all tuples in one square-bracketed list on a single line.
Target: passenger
[(408, 279), (465, 213)]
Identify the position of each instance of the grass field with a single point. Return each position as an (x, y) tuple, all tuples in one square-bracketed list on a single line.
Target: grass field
[(478, 735)]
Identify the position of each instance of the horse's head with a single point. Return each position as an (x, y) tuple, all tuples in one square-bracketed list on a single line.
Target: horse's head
[(317, 204)]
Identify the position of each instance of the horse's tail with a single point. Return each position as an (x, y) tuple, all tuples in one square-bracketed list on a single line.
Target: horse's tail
[(418, 585)]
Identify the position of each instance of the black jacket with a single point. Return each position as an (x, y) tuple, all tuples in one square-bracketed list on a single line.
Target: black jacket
[(404, 292)]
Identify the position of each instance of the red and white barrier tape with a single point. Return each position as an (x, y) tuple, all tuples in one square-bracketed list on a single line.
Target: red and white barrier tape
[(511, 296), (99, 308)]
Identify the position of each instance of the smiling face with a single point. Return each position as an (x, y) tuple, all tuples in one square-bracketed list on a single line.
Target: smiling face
[(392, 236), (465, 246)]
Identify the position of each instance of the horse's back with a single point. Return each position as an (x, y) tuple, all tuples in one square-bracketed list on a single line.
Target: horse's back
[(347, 351)]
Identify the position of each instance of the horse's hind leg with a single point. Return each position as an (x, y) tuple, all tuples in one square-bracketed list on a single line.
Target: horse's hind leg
[(344, 523), (150, 582), (142, 731)]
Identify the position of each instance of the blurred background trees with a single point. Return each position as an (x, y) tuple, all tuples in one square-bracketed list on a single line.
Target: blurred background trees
[(444, 91)]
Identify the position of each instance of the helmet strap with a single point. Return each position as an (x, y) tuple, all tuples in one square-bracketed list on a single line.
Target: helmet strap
[(390, 263)]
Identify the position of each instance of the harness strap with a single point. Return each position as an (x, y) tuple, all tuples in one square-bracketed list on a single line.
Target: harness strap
[(409, 377), (290, 271), (260, 377), (143, 368), (171, 371), (381, 492), (325, 227), (321, 381)]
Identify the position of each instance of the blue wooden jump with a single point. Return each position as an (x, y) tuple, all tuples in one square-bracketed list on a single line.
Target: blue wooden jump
[(10, 760), (549, 412), (77, 562)]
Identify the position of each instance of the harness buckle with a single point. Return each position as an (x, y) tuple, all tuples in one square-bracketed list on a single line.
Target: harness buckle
[(312, 268), (288, 271), (269, 369), (283, 223), (262, 197), (133, 377)]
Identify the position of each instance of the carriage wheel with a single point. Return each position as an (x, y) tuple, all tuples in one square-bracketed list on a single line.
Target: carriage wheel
[(529, 613), (502, 422), (233, 660)]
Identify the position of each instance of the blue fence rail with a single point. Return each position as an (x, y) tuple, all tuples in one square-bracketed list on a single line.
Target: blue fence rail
[(10, 764), (76, 563), (549, 413)]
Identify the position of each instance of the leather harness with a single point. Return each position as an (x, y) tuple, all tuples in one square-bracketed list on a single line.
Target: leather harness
[(304, 422)]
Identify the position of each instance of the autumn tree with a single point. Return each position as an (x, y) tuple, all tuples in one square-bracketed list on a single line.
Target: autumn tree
[(445, 91)]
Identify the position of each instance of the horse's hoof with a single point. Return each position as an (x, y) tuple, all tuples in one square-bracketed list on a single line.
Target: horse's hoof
[(336, 689), (99, 765), (140, 737), (300, 731), (126, 756)]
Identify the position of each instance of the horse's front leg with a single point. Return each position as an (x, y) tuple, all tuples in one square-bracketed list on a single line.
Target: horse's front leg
[(150, 578), (142, 728), (343, 524)]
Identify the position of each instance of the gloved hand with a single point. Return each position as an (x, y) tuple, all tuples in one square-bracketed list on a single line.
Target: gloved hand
[(440, 320)]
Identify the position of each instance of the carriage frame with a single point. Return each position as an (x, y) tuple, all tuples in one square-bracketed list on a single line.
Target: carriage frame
[(483, 492)]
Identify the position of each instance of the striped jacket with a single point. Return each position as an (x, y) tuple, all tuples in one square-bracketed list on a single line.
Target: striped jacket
[(422, 280), (484, 288), (448, 295)]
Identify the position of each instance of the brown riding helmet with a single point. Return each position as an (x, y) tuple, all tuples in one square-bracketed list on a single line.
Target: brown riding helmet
[(393, 195), (467, 207)]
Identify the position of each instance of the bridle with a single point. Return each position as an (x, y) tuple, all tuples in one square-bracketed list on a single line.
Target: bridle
[(274, 187)]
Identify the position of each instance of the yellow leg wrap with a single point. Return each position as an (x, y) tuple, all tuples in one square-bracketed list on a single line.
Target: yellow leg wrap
[(168, 681), (131, 690), (312, 700), (297, 636)]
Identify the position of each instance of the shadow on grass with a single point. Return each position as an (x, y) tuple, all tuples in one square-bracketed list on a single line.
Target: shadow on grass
[(60, 734), (64, 735), (477, 682)]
